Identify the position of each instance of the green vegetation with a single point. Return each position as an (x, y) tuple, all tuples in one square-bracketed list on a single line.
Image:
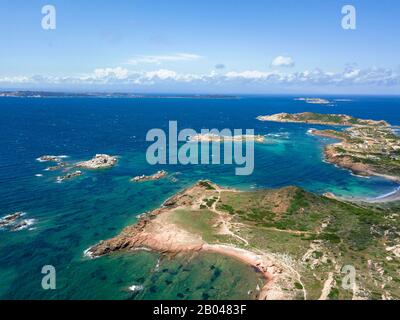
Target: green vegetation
[(196, 221), (298, 285), (291, 220), (333, 294), (334, 119), (206, 185)]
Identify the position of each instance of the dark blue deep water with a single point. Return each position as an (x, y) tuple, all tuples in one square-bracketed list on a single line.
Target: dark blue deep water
[(71, 216)]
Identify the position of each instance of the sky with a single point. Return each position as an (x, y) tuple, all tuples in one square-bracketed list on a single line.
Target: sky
[(187, 46)]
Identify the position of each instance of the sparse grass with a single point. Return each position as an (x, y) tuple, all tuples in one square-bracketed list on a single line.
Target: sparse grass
[(196, 221)]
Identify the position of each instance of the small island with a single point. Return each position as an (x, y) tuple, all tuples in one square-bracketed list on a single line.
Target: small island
[(100, 161), (293, 238), (210, 137), (156, 176), (314, 100)]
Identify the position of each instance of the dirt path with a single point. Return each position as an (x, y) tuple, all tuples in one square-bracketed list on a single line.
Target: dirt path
[(327, 287), (225, 225)]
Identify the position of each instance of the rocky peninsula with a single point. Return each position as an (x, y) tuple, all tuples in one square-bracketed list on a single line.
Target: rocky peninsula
[(367, 147), (293, 238), (314, 100), (319, 118), (365, 150)]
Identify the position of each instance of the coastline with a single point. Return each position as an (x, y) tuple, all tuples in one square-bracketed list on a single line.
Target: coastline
[(366, 147), (156, 231), (388, 197), (346, 162), (392, 196), (200, 219)]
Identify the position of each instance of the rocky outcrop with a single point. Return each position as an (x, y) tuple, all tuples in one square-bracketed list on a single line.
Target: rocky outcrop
[(156, 176), (100, 161)]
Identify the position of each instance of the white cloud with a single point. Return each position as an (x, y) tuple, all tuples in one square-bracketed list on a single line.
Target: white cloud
[(283, 61), (162, 74), (253, 74), (158, 59), (351, 74), (316, 77), (16, 79), (104, 73)]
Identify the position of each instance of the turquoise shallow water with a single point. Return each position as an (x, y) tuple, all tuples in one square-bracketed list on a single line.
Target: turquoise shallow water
[(73, 215)]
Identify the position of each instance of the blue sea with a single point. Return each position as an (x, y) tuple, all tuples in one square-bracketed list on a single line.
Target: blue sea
[(73, 215)]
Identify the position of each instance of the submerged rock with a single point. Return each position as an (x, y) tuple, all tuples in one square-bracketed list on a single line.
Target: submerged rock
[(48, 158), (69, 176), (24, 224), (57, 167), (14, 222), (10, 219)]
